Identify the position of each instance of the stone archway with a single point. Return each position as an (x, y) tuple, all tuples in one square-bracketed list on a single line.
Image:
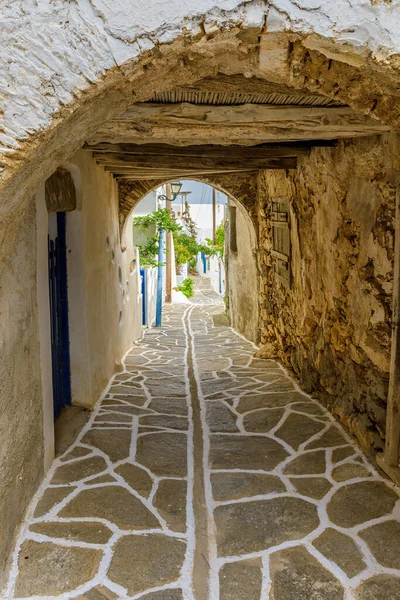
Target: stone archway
[(117, 68), (241, 188), (242, 264), (89, 65)]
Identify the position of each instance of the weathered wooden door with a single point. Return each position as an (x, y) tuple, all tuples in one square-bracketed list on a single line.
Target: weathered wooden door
[(58, 287), (280, 222)]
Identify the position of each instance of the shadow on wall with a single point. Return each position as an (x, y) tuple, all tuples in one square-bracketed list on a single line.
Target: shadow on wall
[(332, 326), (242, 274)]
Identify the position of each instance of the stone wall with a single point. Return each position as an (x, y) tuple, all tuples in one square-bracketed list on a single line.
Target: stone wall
[(332, 327)]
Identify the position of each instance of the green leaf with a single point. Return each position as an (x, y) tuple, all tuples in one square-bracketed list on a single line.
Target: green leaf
[(186, 287)]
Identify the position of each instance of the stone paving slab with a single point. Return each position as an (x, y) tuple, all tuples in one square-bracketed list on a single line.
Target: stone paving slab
[(293, 510), (338, 519)]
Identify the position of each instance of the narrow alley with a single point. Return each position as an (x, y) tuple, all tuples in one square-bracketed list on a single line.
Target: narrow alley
[(206, 473)]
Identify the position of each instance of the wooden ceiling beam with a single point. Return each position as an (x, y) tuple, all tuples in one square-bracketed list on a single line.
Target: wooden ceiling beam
[(209, 151), (169, 173), (168, 176), (244, 125), (208, 114), (181, 162), (156, 174), (173, 172)]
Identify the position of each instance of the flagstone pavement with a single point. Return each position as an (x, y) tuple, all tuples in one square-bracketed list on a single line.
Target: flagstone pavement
[(207, 474)]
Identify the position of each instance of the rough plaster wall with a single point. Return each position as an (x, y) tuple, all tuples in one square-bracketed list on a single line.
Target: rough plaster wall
[(43, 312), (52, 51), (81, 384), (21, 401), (72, 45), (111, 289), (333, 326), (21, 416), (243, 279)]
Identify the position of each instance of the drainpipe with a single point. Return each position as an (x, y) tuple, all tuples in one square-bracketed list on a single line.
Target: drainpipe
[(389, 460), (160, 278)]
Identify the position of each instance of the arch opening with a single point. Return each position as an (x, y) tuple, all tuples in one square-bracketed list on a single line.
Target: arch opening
[(242, 295)]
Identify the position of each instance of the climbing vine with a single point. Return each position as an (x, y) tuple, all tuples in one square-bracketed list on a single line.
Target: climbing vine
[(187, 287), (190, 224), (216, 249), (185, 243), (163, 220)]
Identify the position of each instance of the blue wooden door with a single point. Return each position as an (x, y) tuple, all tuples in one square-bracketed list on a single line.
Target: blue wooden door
[(58, 288)]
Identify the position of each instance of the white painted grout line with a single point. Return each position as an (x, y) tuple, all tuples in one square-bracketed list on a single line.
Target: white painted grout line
[(187, 570), (245, 339), (212, 544), (373, 567), (155, 356), (52, 515)]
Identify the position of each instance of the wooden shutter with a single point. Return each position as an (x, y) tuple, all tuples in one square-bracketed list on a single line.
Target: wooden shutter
[(280, 219), (232, 229)]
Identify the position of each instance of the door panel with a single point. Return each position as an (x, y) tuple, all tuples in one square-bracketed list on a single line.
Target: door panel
[(58, 289)]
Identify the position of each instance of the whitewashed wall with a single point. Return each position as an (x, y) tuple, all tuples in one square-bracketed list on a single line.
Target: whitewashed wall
[(243, 278), (151, 296), (103, 290), (53, 50)]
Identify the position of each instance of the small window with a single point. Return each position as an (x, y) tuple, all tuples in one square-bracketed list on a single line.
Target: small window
[(281, 250), (232, 229)]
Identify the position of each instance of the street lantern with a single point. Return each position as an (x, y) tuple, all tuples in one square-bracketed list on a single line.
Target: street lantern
[(175, 189)]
